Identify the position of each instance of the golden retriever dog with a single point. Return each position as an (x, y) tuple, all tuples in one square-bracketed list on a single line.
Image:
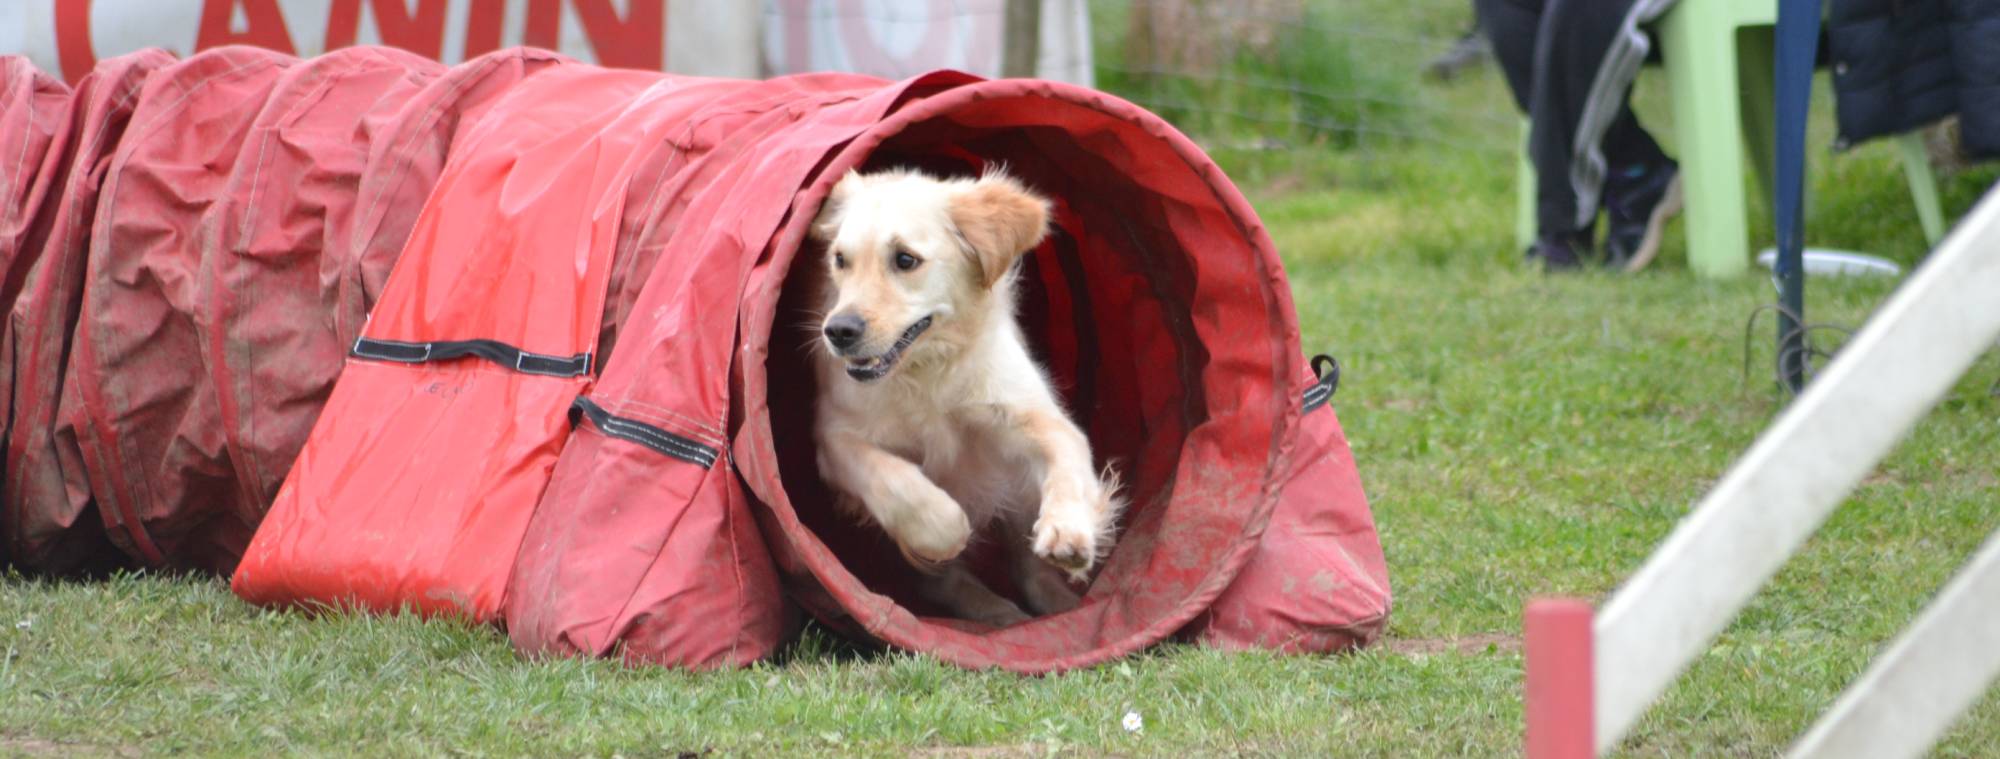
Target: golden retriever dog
[(933, 421)]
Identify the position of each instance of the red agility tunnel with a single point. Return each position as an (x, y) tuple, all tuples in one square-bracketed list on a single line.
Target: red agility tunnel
[(212, 235), (1161, 308), (570, 399)]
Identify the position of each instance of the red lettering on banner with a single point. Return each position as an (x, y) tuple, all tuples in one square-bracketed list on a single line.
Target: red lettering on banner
[(482, 27), (73, 51), (420, 32), (544, 27), (264, 25), (637, 41)]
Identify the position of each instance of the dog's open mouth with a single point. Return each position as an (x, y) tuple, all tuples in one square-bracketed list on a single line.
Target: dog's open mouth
[(871, 368)]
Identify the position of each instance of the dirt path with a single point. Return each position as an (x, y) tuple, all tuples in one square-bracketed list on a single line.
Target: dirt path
[(1465, 644)]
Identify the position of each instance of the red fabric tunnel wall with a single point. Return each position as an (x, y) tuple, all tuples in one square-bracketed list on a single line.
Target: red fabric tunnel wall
[(193, 248)]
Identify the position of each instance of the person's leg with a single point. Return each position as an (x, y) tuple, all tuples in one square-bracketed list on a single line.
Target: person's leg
[(1510, 27), (1513, 27), (1587, 53)]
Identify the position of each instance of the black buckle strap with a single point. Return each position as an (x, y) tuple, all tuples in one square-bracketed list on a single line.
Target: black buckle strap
[(491, 350), (654, 438), (1328, 371)]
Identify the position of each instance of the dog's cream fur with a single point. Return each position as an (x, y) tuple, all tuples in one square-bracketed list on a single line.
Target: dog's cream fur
[(963, 432)]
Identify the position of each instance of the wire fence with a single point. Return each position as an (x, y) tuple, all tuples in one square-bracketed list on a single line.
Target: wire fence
[(1355, 76)]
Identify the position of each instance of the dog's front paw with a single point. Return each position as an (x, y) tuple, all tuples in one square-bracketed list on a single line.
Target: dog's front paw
[(1068, 539), (931, 530)]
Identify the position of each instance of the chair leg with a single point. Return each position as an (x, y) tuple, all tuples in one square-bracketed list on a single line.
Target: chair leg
[(1923, 185), (1757, 59), (1700, 51), (1524, 195)]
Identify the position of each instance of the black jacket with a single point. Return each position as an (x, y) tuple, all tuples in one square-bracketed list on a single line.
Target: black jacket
[(1901, 64)]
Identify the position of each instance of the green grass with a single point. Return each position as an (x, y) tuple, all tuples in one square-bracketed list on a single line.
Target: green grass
[(1518, 434), (1291, 88)]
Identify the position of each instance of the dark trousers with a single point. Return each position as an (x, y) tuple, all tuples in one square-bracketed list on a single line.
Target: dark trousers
[(1570, 65)]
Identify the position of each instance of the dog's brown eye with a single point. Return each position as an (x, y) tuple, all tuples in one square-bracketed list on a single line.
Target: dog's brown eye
[(906, 262), (839, 261)]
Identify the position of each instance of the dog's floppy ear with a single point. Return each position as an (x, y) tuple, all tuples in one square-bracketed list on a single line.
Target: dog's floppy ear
[(828, 222), (999, 219)]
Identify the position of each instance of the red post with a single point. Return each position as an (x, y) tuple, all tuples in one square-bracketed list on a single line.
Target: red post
[(1560, 697)]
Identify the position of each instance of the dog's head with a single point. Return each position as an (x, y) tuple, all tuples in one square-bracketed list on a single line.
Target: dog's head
[(917, 264)]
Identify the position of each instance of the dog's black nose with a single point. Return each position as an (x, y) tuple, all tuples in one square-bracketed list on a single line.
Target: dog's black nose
[(843, 330)]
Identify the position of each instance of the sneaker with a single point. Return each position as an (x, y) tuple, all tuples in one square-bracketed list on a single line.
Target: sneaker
[(1638, 202), (1470, 50), (1560, 252)]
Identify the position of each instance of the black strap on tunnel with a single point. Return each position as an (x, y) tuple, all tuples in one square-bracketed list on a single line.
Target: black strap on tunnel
[(631, 431), (492, 350), (1328, 371)]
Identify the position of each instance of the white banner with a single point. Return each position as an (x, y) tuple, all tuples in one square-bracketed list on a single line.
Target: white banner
[(67, 37), (736, 38), (903, 38)]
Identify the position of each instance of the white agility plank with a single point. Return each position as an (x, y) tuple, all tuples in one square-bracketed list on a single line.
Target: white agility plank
[(1887, 377), (1924, 681)]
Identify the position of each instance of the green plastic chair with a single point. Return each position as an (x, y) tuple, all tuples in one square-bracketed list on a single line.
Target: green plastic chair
[(1719, 62)]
